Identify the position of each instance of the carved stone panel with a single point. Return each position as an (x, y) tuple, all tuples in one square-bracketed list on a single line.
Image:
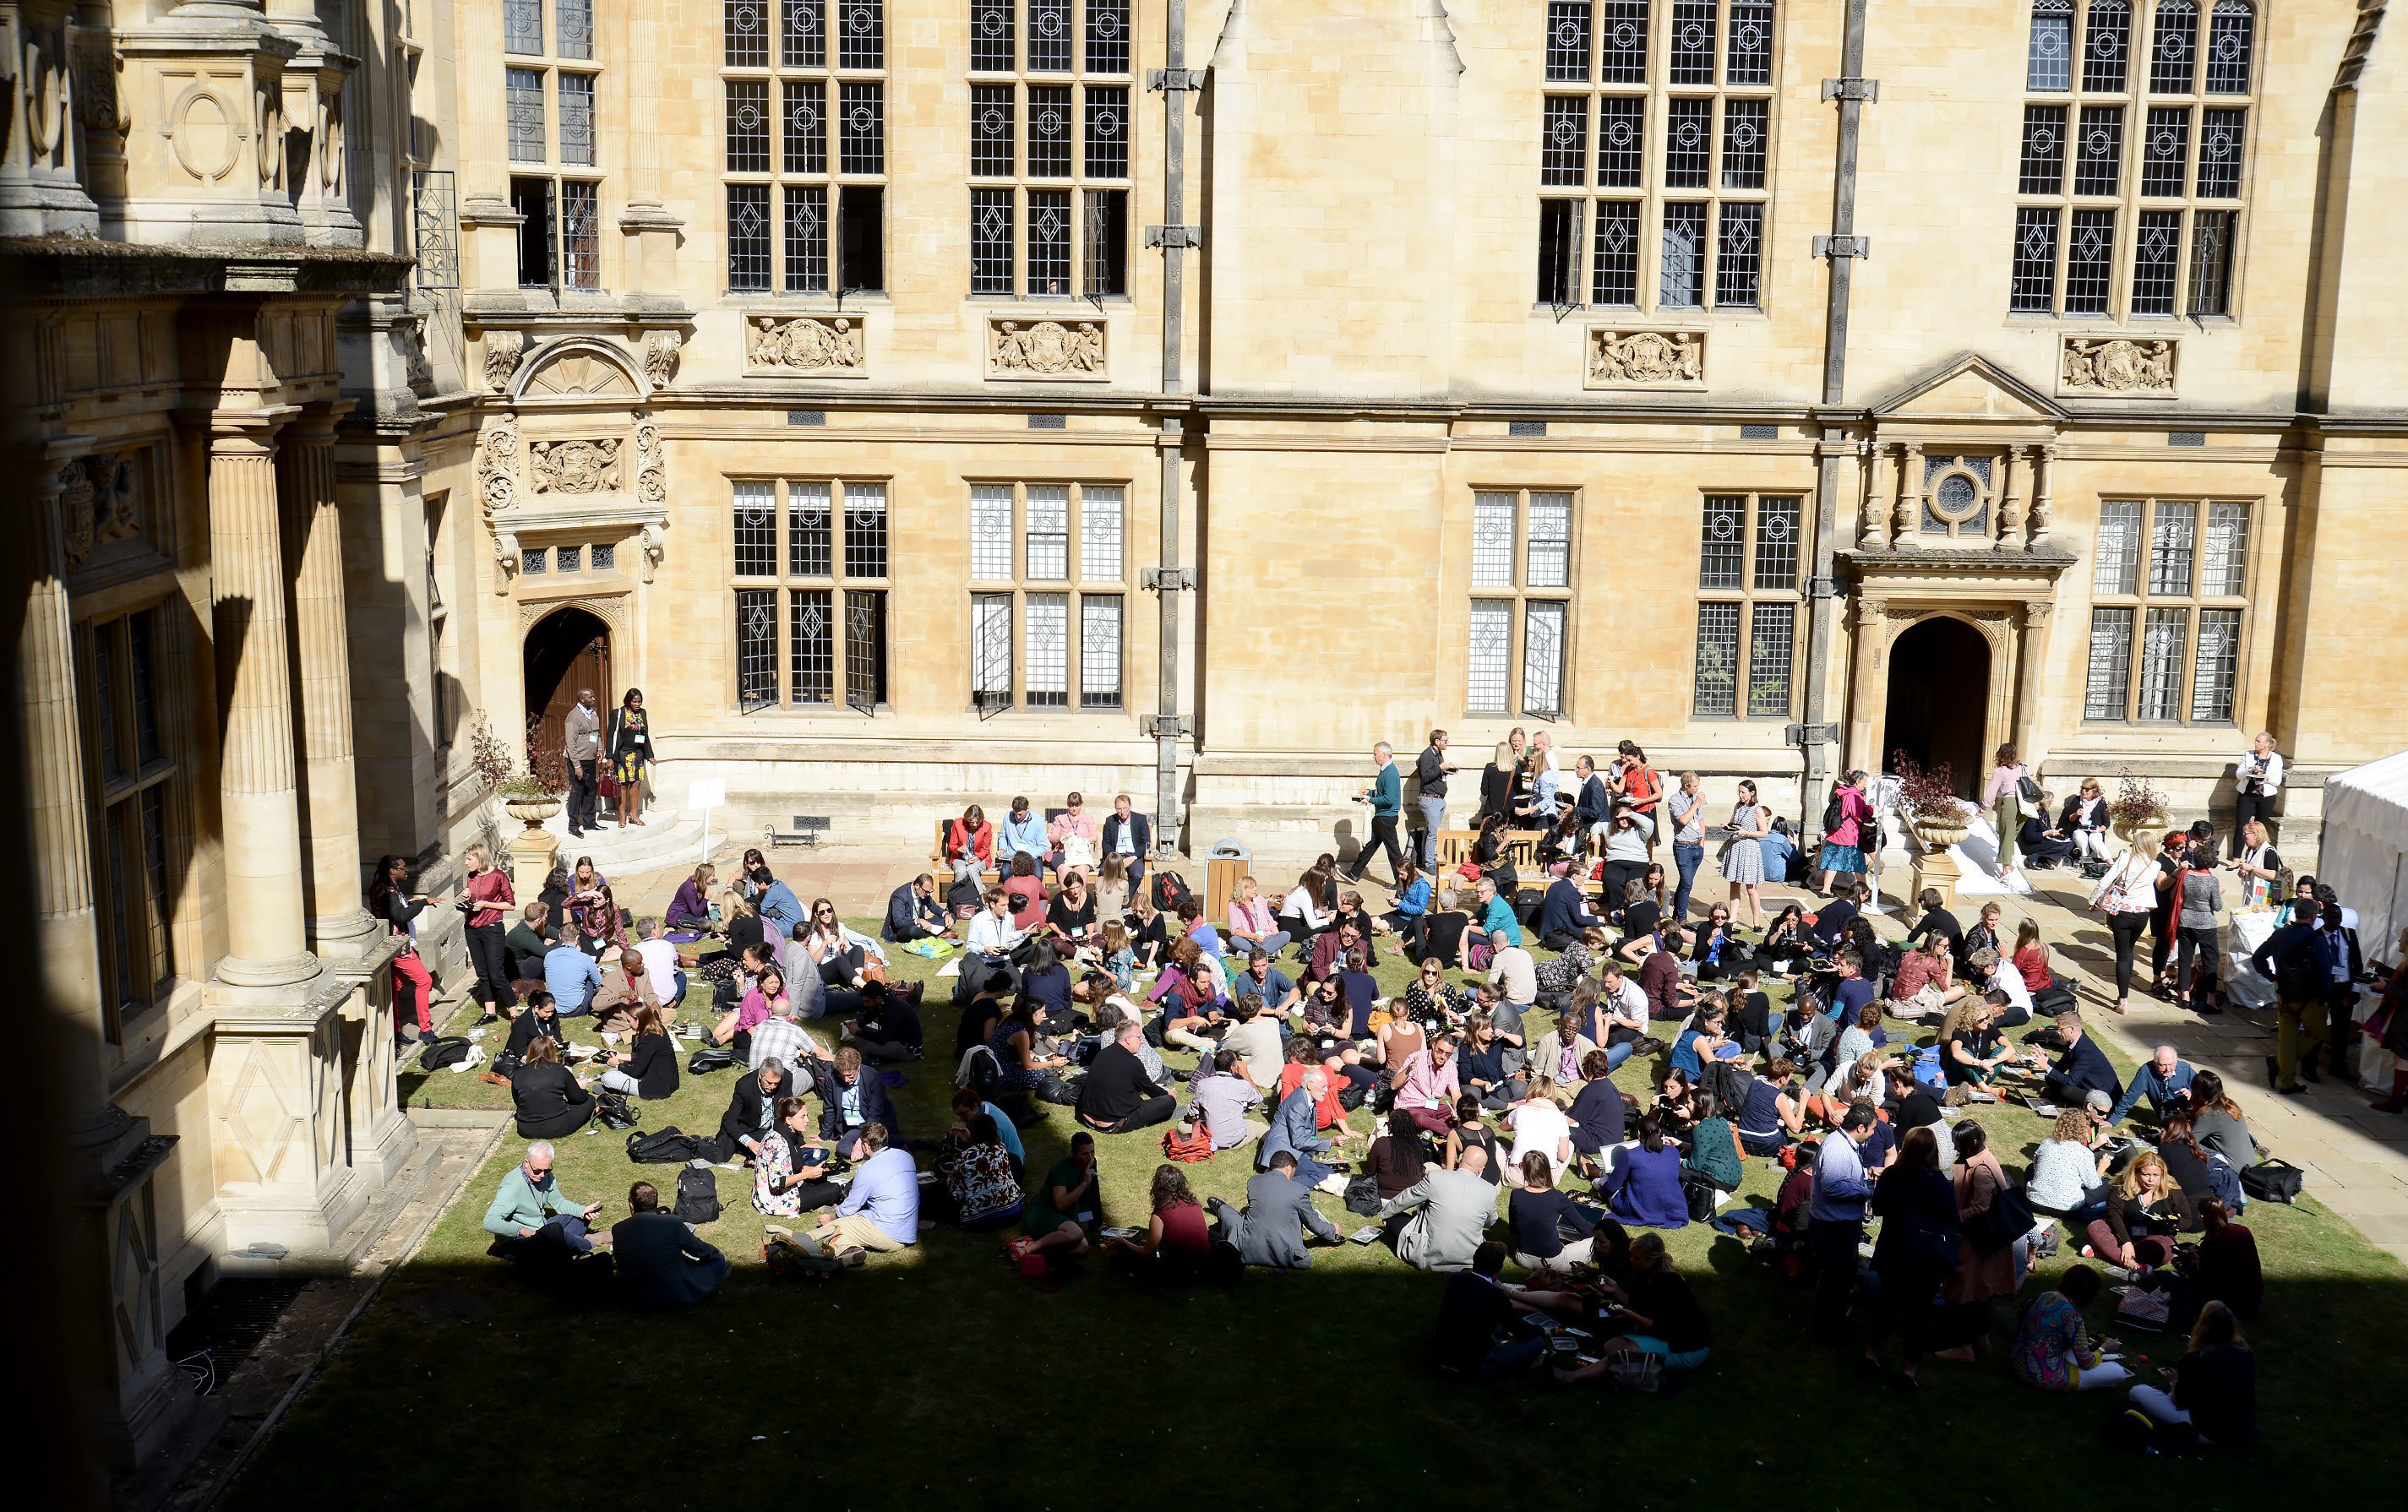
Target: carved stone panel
[(503, 350), (1645, 358), (2142, 369), (824, 346), (1045, 348), (661, 358), (574, 467)]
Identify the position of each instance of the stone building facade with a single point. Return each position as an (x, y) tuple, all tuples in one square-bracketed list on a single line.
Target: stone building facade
[(929, 400)]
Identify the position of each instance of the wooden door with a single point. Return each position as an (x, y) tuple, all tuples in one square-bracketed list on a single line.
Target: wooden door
[(568, 651)]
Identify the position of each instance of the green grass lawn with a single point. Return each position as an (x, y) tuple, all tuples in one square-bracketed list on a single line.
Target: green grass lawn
[(940, 1373)]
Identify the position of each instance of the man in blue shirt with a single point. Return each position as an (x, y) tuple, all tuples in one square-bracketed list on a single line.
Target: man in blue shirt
[(1021, 833), (1836, 1219), (1387, 796), (571, 976), (2165, 1080), (1849, 998), (881, 1209), (1278, 993)]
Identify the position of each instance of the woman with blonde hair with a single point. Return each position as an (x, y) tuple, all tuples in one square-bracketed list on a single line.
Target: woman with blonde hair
[(2068, 1178), (2144, 1214), (485, 899), (1539, 1127)]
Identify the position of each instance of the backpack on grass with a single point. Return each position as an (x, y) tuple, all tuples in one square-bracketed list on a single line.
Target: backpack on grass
[(697, 1195), (447, 1050), (663, 1146)]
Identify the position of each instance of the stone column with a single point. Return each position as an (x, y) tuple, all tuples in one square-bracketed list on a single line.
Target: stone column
[(1908, 525), (2030, 656), (39, 194), (267, 942), (2010, 504), (339, 926), (1867, 696), (67, 929), (2042, 507), (1881, 488)]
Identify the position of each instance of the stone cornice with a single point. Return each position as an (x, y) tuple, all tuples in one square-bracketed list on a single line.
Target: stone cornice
[(62, 269)]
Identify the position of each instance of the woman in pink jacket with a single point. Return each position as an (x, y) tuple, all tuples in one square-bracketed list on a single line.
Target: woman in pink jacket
[(1843, 843)]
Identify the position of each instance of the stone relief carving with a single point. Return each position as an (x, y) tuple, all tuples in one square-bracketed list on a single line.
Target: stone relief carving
[(1045, 348), (97, 103), (1644, 359), (652, 487), (497, 492), (503, 350), (578, 374), (574, 467), (661, 350), (2115, 365), (806, 343), (97, 505)]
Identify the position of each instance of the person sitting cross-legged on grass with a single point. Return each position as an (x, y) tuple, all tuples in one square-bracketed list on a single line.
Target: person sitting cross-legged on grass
[(1661, 1317), (852, 1097), (791, 1176), (1176, 1241), (1480, 1331), (2054, 1351), (1278, 1215), (752, 1111), (1295, 1132), (531, 1218), (661, 1262), (1063, 1207), (888, 1028), (1117, 1095), (882, 1210)]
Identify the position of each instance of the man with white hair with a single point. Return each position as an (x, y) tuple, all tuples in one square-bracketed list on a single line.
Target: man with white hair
[(1387, 796), (531, 1218), (2165, 1080), (1451, 1213), (781, 1038)]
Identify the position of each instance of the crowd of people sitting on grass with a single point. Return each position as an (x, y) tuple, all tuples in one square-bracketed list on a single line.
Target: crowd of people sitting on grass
[(1495, 1135)]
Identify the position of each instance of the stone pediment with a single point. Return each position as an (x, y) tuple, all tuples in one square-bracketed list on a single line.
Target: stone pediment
[(1969, 389)]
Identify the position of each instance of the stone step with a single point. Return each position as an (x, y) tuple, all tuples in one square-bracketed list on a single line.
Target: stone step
[(667, 840)]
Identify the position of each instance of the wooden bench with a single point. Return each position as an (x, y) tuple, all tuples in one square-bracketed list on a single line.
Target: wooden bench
[(992, 876)]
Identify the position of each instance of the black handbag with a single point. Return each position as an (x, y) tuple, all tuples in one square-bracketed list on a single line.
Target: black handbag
[(2007, 1218), (2271, 1180)]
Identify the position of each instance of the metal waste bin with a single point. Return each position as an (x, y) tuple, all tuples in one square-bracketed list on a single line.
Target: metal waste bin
[(1223, 864)]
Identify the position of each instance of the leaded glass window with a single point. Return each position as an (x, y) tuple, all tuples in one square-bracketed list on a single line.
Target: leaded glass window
[(991, 217), (756, 648), (2090, 262), (2174, 54), (1772, 630), (1042, 520), (861, 129), (991, 532), (1693, 42), (1100, 650), (525, 97), (1492, 540), (811, 531), (2162, 634), (2050, 64), (1563, 143), (1108, 53), (1107, 135), (2099, 155), (755, 529), (1623, 56), (991, 39), (807, 253), (1490, 655), (1099, 536), (1777, 517), (748, 238), (2225, 571), (2210, 263), (991, 639), (834, 607), (2231, 40), (1049, 131), (2165, 151), (2157, 261), (2108, 684), (1543, 659), (1568, 41), (2115, 564), (1688, 143), (865, 530), (2042, 169), (2215, 667), (1738, 256), (748, 125), (1049, 36), (805, 140), (1621, 141), (522, 26), (862, 41), (1682, 281), (811, 625), (1616, 282), (1048, 244), (1717, 663), (2035, 260), (1049, 649), (1722, 547), (581, 236), (577, 119), (2219, 153), (1048, 542), (744, 33), (803, 38), (1745, 128), (1548, 548), (573, 28), (1750, 57), (2107, 46), (2172, 541)]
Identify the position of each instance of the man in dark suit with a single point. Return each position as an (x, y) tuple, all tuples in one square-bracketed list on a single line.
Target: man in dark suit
[(913, 913), (852, 1098), (1279, 1213), (2083, 1069), (1127, 834), (746, 1122), (662, 1263)]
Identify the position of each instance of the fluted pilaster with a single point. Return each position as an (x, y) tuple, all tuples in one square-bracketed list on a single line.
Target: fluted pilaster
[(266, 944), (322, 680)]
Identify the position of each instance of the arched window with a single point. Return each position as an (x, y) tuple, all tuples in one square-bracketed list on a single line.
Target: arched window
[(2232, 37), (2107, 46), (2173, 52), (2051, 65)]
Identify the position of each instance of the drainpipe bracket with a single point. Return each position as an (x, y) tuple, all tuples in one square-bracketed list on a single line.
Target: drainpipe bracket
[(1174, 235), (1852, 89), (1161, 80), (1170, 726), (1811, 735), (1843, 247), (1822, 586), (1170, 579)]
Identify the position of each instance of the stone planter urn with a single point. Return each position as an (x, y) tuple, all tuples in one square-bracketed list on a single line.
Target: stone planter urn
[(532, 809), (2129, 830), (1937, 832)]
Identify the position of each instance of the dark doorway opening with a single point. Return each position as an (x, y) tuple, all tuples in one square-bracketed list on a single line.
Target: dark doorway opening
[(1939, 700), (566, 650)]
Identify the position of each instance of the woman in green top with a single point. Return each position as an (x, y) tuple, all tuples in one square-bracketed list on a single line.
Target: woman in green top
[(1061, 1209), (1714, 1146)]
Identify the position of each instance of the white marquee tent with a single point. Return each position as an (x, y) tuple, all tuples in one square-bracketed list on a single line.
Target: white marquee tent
[(2365, 849)]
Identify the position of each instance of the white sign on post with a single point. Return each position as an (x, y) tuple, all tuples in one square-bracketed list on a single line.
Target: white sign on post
[(706, 793)]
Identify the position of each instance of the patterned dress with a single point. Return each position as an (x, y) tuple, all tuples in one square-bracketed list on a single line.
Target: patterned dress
[(1742, 858), (633, 757)]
